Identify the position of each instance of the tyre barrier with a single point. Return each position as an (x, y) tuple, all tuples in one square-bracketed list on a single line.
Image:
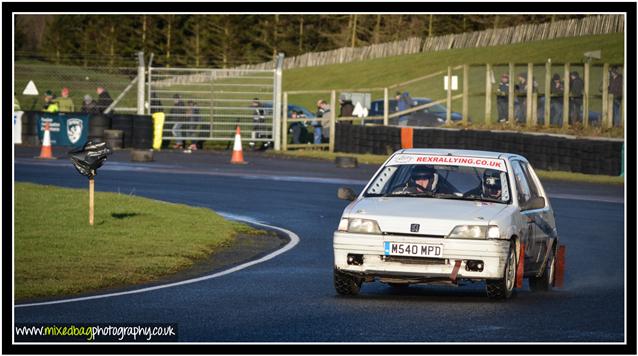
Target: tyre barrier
[(142, 132), (113, 139), (546, 152), (30, 129), (97, 124), (346, 162), (141, 155), (124, 123)]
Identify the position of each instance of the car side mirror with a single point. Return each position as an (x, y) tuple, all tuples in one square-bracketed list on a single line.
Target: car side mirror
[(534, 203), (346, 194)]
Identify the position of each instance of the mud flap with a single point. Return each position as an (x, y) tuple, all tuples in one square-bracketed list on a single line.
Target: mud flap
[(455, 270), (520, 267), (559, 275)]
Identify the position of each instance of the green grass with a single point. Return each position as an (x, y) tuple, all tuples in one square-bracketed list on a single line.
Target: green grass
[(380, 159), (134, 240)]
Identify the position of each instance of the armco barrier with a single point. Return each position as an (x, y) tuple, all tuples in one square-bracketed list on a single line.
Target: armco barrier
[(547, 152)]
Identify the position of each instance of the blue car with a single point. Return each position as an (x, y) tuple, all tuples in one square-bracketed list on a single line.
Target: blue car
[(292, 107), (432, 116)]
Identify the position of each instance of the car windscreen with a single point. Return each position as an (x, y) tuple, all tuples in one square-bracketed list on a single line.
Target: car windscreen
[(441, 182)]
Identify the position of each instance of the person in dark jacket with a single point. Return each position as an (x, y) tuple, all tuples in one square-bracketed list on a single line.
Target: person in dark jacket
[(576, 88), (177, 113), (404, 102), (557, 90), (521, 92), (502, 98), (104, 100), (156, 104), (615, 88), (89, 105), (346, 108)]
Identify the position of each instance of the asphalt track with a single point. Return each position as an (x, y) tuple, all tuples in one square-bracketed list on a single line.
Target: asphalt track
[(290, 298)]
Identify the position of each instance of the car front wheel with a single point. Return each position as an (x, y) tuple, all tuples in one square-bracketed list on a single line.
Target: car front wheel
[(503, 288), (346, 284)]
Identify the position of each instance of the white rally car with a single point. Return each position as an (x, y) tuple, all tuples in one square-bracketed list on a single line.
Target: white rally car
[(449, 216)]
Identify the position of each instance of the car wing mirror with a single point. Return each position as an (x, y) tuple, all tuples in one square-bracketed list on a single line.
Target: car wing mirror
[(346, 194), (534, 203)]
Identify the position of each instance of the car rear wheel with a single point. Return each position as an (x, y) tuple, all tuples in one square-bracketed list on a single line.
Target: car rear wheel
[(544, 282), (503, 288), (346, 284)]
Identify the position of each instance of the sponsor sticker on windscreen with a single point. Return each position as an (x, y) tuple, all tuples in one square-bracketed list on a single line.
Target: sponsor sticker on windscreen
[(488, 163)]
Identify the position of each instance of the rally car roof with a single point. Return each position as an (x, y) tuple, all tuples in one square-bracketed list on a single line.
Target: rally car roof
[(461, 153)]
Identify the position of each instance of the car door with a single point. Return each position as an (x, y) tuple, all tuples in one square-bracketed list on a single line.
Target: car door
[(531, 217), (544, 224)]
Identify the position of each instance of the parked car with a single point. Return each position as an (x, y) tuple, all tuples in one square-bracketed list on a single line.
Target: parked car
[(292, 107), (448, 216), (432, 116)]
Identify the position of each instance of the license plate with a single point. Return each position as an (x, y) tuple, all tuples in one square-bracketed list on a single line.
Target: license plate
[(410, 249)]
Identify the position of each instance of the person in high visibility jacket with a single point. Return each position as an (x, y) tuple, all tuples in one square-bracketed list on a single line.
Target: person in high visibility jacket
[(50, 105)]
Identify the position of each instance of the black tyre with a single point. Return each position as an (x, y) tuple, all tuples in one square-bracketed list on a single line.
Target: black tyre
[(544, 282), (346, 284), (503, 288)]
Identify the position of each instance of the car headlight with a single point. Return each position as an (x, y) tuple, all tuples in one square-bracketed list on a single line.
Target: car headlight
[(475, 232), (362, 226)]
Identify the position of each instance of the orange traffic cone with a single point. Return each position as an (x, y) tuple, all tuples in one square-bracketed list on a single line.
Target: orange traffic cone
[(238, 155), (45, 152)]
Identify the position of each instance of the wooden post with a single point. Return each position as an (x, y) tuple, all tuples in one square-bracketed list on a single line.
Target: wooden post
[(91, 199), (333, 115), (566, 98), (466, 92), (530, 90), (488, 94), (586, 96), (284, 129), (604, 114), (510, 96), (448, 114), (548, 93), (386, 109), (610, 111)]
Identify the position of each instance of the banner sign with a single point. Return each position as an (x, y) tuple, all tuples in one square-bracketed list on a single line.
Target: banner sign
[(66, 129), (490, 163)]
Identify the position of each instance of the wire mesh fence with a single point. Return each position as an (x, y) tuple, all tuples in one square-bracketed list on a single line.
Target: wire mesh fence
[(81, 81)]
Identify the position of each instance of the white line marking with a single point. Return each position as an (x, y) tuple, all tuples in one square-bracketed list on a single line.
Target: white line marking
[(294, 240)]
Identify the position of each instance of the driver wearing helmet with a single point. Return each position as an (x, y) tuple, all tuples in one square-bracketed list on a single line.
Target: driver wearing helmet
[(492, 184), (422, 179)]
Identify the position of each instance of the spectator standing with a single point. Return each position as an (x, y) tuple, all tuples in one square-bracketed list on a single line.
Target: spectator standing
[(576, 87), (318, 121), (557, 91), (177, 113), (404, 102), (521, 93), (258, 120), (65, 103), (346, 108), (16, 103), (297, 129), (89, 106), (325, 120), (615, 88), (502, 98), (156, 104), (104, 100), (50, 104), (192, 114)]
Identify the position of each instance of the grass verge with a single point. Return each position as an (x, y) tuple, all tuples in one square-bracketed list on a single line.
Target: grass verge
[(134, 240), (379, 159)]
